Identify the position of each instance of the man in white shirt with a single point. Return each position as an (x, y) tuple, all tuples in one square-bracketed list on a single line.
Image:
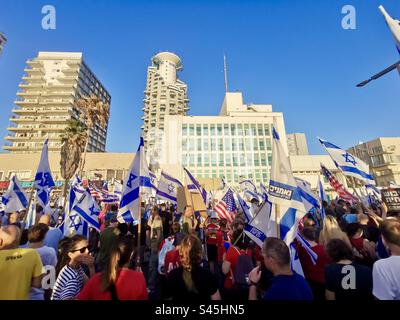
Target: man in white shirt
[(386, 272)]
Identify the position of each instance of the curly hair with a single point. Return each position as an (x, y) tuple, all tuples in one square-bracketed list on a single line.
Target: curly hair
[(190, 252)]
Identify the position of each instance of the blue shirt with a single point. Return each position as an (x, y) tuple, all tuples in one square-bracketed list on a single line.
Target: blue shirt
[(53, 237), (293, 287)]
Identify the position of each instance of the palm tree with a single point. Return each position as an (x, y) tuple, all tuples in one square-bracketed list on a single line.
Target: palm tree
[(93, 110), (73, 142)]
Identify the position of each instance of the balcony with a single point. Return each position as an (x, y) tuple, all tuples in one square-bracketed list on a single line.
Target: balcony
[(24, 110), (56, 101), (62, 94), (53, 119), (30, 85), (23, 119), (68, 79), (23, 93), (74, 63), (34, 63), (70, 71), (32, 79), (14, 128), (39, 137), (34, 71), (26, 102), (54, 110)]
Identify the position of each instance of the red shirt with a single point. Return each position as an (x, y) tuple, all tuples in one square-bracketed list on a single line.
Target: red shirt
[(214, 234), (172, 260), (232, 256), (313, 272), (130, 285)]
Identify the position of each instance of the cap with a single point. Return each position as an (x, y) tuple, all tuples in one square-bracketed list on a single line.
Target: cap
[(214, 215)]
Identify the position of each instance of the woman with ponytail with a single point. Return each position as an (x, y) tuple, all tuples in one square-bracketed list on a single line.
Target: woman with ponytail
[(117, 281), (191, 282)]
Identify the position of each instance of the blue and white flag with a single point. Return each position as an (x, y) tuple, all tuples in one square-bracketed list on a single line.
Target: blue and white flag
[(43, 180), (347, 163), (322, 197), (153, 183), (249, 190), (14, 199), (31, 216), (136, 184), (261, 226), (197, 186), (376, 193), (294, 260), (168, 188), (264, 192), (283, 189), (307, 246), (88, 210), (245, 208), (310, 199), (72, 221)]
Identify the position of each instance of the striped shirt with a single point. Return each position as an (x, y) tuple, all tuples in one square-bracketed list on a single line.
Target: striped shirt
[(68, 284)]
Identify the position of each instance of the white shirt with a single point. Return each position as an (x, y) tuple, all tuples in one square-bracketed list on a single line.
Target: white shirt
[(386, 278)]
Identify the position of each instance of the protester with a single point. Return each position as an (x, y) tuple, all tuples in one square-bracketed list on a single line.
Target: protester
[(286, 284), (166, 218), (53, 236), (155, 238), (331, 230), (191, 282), (108, 238), (20, 268), (214, 241), (313, 272), (363, 248), (386, 272), (74, 254), (117, 281), (346, 280), (48, 256)]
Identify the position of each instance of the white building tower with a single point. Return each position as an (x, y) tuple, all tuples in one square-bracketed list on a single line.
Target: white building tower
[(165, 94)]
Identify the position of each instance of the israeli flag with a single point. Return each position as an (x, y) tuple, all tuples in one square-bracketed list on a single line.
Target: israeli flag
[(307, 246), (249, 190), (168, 188), (347, 163), (136, 184), (14, 199), (322, 197), (43, 179), (73, 222), (153, 182), (294, 260), (310, 199), (194, 184), (264, 192), (283, 189), (245, 208), (261, 226)]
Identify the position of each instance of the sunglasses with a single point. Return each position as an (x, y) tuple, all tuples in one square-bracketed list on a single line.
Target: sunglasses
[(81, 250)]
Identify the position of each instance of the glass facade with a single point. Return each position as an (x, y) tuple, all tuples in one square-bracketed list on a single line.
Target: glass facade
[(236, 151)]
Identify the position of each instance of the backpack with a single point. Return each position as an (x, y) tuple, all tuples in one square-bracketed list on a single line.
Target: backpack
[(243, 267)]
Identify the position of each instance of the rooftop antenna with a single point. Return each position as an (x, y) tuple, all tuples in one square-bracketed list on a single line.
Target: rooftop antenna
[(225, 74)]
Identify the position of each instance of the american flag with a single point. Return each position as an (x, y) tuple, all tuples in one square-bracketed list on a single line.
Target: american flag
[(102, 194), (339, 188), (226, 207)]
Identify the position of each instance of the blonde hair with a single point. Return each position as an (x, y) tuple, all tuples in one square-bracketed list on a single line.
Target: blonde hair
[(331, 230)]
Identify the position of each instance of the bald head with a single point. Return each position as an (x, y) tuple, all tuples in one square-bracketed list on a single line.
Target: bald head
[(45, 219), (9, 237)]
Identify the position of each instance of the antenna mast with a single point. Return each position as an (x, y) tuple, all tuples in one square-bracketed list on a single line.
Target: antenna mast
[(225, 74)]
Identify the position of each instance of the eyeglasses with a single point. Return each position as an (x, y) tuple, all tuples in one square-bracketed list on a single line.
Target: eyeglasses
[(81, 250)]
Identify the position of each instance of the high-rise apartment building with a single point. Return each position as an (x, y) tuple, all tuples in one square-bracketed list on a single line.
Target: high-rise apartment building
[(383, 157), (165, 95), (297, 144), (47, 95), (3, 41)]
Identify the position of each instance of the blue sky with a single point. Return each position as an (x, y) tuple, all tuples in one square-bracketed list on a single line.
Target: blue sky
[(292, 54)]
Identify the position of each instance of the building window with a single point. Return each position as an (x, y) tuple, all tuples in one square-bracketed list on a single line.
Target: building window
[(260, 129), (240, 130), (226, 130), (191, 130), (205, 129), (266, 129), (219, 129), (198, 130), (212, 129)]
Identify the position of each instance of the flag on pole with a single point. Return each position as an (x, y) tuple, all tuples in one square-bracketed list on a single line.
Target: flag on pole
[(249, 190), (168, 187), (153, 183), (14, 199), (322, 197), (261, 226), (226, 207), (197, 185), (136, 183), (88, 209), (310, 199), (337, 186), (347, 163), (307, 246), (245, 208), (43, 180)]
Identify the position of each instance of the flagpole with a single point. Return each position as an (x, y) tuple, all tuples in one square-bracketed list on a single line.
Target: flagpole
[(29, 204), (139, 231), (277, 217)]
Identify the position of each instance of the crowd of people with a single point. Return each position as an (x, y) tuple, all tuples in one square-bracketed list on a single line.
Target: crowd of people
[(195, 256)]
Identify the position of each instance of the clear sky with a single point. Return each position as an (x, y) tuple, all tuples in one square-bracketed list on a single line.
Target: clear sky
[(292, 54)]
